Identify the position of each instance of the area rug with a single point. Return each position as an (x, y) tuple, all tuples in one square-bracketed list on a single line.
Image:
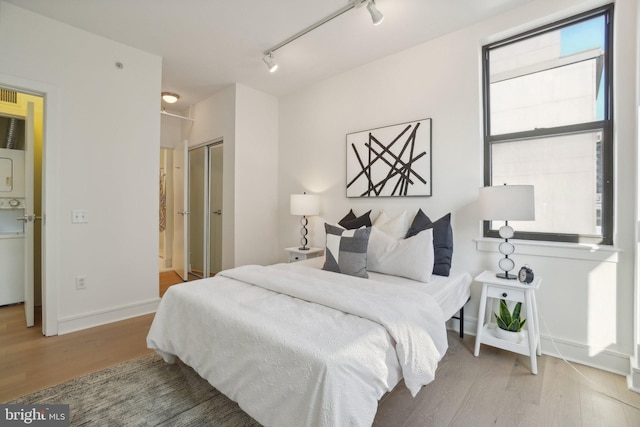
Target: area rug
[(143, 392)]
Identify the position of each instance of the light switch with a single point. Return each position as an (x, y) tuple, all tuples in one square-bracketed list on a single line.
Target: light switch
[(79, 216)]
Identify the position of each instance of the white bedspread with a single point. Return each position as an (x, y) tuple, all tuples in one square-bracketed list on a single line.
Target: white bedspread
[(288, 362)]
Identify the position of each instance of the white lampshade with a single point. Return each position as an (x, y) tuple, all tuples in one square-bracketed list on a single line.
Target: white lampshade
[(305, 204), (507, 203)]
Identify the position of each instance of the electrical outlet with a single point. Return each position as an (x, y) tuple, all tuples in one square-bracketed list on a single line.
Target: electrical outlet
[(79, 216), (81, 282)]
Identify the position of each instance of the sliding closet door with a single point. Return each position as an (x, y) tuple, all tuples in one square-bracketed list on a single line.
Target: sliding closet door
[(181, 219), (198, 207), (215, 203)]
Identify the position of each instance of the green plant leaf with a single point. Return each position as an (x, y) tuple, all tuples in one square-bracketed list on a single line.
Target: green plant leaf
[(522, 324), (501, 323), (505, 314), (516, 310)]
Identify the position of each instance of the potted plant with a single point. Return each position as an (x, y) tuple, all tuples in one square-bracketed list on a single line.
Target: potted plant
[(509, 324)]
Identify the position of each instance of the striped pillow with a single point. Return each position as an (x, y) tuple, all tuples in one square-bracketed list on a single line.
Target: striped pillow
[(346, 250)]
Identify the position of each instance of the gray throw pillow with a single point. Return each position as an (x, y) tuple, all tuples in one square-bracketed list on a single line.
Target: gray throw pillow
[(346, 250)]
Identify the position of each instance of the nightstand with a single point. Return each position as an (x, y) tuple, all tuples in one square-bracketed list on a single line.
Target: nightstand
[(297, 254), (509, 290)]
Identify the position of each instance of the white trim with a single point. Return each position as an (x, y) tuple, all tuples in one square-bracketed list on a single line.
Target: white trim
[(102, 317), (633, 379), (582, 251), (606, 360)]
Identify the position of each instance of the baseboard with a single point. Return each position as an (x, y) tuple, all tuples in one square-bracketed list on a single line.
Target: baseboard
[(633, 379), (103, 317), (606, 360)]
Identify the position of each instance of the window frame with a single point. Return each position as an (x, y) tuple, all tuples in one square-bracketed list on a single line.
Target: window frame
[(606, 126)]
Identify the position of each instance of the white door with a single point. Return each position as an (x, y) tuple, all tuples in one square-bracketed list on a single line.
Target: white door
[(181, 200), (29, 218)]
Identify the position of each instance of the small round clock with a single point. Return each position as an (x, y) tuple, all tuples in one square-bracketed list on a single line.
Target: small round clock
[(525, 275)]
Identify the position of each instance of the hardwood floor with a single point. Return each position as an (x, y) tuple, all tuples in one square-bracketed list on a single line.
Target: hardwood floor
[(30, 361), (170, 278), (496, 388)]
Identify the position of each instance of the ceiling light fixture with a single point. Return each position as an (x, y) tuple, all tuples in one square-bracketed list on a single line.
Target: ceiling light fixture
[(376, 16), (268, 59), (170, 97)]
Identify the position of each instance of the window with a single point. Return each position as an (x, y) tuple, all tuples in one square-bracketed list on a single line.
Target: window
[(548, 123)]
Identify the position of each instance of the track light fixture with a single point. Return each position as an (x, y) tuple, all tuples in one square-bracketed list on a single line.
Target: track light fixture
[(376, 16), (268, 59)]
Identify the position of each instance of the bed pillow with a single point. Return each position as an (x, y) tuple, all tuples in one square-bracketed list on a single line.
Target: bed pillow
[(411, 258), (346, 250), (396, 227), (351, 221), (442, 239)]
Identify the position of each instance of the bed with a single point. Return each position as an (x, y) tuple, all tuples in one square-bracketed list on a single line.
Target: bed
[(295, 345)]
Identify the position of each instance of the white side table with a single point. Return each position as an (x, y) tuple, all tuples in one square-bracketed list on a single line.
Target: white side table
[(509, 290), (297, 254)]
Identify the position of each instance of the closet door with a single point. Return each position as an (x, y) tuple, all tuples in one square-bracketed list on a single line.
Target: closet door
[(198, 190), (215, 203), (181, 200)]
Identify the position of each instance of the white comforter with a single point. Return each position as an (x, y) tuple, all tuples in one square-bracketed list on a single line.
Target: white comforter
[(288, 362)]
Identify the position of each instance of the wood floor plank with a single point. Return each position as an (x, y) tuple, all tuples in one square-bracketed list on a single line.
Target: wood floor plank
[(560, 401)]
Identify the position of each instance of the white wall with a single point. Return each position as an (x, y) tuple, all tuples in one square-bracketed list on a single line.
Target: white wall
[(247, 121), (170, 131), (634, 378), (101, 148), (256, 166), (586, 297)]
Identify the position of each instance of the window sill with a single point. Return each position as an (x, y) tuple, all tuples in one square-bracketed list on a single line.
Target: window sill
[(581, 251)]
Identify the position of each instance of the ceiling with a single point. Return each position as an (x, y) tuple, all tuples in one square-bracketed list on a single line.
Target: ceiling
[(207, 45)]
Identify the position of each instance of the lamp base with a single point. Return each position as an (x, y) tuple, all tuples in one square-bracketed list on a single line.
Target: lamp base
[(304, 248), (506, 275)]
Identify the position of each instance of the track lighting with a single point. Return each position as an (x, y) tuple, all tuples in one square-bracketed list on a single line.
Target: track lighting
[(170, 97), (376, 16), (268, 59)]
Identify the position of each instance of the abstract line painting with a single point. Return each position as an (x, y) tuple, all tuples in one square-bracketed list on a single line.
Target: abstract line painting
[(392, 161)]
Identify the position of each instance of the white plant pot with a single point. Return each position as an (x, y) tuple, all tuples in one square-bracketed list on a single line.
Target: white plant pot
[(515, 337)]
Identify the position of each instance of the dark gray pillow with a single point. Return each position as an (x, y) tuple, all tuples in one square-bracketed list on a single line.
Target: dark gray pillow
[(346, 250), (442, 240), (350, 221)]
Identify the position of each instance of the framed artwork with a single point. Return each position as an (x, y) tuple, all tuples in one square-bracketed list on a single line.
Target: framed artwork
[(392, 161)]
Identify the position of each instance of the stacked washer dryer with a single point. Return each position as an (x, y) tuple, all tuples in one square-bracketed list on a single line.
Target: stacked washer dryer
[(12, 213)]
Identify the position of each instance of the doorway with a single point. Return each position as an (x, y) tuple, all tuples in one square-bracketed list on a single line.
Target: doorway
[(21, 207), (166, 210), (206, 211)]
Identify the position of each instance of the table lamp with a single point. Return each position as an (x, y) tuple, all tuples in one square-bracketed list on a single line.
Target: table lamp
[(305, 205), (507, 203)]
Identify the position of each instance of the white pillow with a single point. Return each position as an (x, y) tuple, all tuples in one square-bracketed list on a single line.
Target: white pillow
[(411, 258), (396, 227)]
